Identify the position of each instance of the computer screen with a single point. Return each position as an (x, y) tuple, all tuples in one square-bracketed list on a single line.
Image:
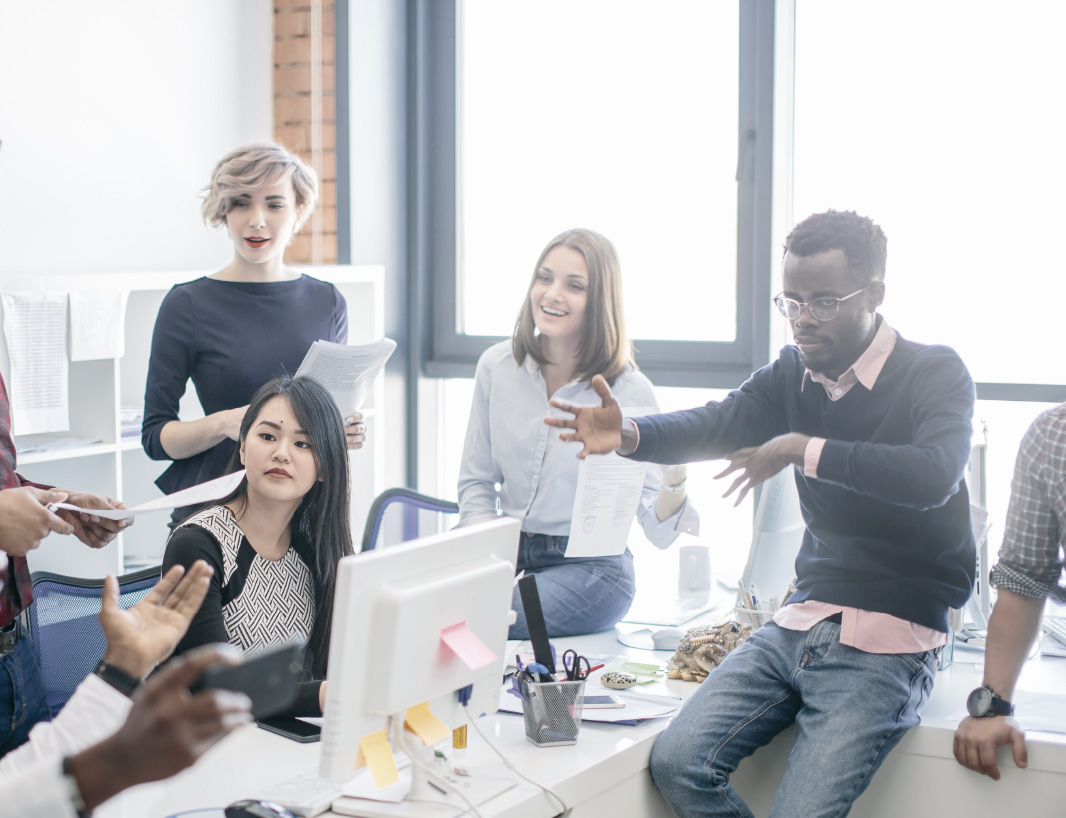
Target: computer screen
[(776, 537), (387, 653)]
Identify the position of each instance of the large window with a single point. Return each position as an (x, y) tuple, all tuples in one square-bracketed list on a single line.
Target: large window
[(647, 122), (940, 121)]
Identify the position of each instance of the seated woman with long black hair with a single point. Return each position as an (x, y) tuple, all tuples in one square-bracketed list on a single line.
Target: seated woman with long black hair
[(274, 543)]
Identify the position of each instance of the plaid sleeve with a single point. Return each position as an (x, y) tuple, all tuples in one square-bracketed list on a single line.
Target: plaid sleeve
[(1030, 561)]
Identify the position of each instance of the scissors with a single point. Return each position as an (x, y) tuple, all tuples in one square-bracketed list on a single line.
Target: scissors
[(572, 662)]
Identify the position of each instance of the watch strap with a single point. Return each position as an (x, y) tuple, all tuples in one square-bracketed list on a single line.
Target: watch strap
[(118, 679)]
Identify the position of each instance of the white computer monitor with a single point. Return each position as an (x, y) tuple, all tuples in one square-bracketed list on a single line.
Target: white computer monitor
[(386, 653), (776, 538)]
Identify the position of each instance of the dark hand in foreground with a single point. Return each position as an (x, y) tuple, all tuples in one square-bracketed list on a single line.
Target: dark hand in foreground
[(599, 428), (25, 520), (94, 531), (140, 638), (167, 730), (976, 741), (759, 463)]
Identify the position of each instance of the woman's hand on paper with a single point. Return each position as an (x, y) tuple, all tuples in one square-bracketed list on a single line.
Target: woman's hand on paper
[(94, 531), (355, 430)]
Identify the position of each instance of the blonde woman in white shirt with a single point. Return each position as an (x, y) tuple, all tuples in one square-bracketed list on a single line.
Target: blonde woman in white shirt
[(571, 327)]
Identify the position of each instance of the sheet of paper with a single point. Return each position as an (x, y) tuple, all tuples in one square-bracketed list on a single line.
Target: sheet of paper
[(203, 493), (608, 491), (375, 752), (474, 653), (347, 372), (97, 324), (35, 325), (362, 786), (638, 706), (425, 725)]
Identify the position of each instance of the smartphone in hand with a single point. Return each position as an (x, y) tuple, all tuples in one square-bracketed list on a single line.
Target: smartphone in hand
[(269, 679)]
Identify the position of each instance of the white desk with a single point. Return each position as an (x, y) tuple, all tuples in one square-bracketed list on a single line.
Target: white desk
[(606, 771)]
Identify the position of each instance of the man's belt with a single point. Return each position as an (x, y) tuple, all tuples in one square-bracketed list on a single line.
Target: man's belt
[(9, 635)]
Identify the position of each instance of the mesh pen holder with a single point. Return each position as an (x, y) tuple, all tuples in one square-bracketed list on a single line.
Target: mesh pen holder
[(552, 711)]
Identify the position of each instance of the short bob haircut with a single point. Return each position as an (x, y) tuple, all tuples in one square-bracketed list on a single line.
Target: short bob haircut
[(605, 348), (251, 167)]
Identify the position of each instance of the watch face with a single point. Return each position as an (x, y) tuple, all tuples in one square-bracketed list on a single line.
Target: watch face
[(979, 702)]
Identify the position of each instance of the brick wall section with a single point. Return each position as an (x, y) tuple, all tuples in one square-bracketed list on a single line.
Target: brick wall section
[(305, 116)]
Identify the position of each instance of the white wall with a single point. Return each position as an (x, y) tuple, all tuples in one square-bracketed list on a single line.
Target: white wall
[(112, 115)]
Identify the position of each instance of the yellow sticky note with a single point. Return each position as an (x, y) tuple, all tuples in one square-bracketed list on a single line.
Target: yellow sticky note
[(374, 749), (426, 726)]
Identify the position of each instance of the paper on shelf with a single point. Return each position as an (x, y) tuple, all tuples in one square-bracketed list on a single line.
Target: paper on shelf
[(35, 325), (639, 706), (347, 372), (203, 493), (97, 324)]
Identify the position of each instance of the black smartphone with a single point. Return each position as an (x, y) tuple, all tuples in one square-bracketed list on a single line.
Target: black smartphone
[(269, 679), (599, 702), (296, 729)]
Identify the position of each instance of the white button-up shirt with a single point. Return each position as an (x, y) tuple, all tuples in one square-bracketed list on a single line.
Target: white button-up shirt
[(509, 445)]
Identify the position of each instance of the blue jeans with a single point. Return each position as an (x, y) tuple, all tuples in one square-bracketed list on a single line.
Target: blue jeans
[(577, 595), (22, 699), (851, 709)]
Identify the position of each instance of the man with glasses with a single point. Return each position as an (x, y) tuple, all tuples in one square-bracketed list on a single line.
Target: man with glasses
[(878, 430)]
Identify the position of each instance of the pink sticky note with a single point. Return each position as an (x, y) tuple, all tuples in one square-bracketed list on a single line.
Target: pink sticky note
[(465, 644)]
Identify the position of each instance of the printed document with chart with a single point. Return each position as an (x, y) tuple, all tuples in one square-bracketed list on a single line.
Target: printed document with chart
[(608, 492)]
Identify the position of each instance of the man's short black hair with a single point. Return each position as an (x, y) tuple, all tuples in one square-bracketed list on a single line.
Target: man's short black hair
[(863, 242)]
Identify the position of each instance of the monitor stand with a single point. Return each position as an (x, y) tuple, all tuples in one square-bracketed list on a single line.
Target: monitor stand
[(425, 799)]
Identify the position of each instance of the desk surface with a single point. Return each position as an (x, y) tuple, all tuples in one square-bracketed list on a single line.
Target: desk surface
[(607, 768)]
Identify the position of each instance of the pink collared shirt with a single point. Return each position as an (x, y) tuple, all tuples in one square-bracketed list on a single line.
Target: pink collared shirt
[(867, 631)]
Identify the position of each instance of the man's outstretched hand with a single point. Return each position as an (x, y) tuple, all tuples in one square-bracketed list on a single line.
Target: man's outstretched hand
[(598, 428)]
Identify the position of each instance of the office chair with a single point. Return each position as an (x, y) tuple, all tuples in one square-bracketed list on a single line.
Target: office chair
[(399, 515), (67, 638)]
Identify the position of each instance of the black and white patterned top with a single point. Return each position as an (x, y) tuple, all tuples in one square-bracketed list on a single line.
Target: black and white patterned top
[(252, 602), (1031, 560)]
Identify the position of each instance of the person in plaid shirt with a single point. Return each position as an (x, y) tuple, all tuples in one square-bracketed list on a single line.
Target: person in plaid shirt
[(1029, 571), (24, 522)]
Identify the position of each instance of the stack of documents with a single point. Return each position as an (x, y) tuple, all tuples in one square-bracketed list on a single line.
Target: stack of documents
[(130, 420)]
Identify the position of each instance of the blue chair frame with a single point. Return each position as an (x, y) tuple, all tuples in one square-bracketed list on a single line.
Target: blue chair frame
[(65, 627), (412, 503)]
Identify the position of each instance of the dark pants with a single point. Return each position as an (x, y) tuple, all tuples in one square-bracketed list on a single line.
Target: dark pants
[(22, 700)]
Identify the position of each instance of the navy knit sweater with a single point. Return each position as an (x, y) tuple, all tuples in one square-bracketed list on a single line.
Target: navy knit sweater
[(888, 518)]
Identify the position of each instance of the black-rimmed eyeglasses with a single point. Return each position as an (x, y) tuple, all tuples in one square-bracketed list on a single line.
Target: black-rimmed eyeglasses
[(823, 309)]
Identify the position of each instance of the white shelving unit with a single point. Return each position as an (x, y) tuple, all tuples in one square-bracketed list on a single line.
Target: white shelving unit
[(117, 466)]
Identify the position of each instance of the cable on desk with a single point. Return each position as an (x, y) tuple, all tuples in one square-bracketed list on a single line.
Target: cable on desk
[(510, 764)]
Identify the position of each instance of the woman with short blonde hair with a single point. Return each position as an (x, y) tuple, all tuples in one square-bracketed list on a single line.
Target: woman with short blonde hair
[(234, 330)]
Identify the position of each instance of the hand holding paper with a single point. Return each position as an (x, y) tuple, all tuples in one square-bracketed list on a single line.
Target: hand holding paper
[(203, 493)]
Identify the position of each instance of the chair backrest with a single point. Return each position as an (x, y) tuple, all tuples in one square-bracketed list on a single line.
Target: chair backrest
[(64, 625), (400, 515)]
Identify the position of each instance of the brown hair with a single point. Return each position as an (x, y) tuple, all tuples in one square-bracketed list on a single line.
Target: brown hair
[(605, 349)]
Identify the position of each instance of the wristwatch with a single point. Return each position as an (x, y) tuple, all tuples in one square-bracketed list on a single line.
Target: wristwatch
[(984, 702)]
